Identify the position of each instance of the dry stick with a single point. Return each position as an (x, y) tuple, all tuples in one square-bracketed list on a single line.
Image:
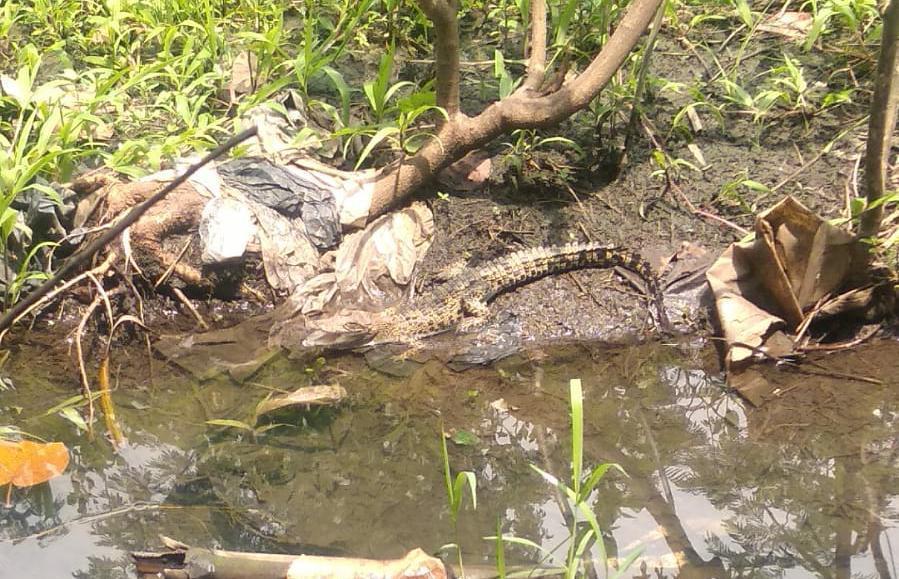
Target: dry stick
[(641, 78), (697, 211), (85, 381), (165, 275), (142, 322), (517, 111), (106, 301), (784, 361), (190, 307), (837, 346), (11, 315), (823, 151)]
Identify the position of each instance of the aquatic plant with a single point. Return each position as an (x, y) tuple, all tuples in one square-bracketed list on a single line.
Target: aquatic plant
[(583, 526)]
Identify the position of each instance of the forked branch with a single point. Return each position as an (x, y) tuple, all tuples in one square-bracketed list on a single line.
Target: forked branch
[(461, 134)]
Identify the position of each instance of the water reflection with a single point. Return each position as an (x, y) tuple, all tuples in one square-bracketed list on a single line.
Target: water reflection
[(804, 485)]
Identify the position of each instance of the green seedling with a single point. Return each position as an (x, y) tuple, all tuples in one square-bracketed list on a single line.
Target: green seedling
[(584, 528)]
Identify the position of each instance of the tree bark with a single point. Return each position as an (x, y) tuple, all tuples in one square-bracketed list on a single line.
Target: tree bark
[(444, 15), (461, 134), (537, 57), (882, 121)]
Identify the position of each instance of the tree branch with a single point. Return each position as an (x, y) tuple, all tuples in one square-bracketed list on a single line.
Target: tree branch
[(518, 111), (443, 13), (537, 58), (882, 121)]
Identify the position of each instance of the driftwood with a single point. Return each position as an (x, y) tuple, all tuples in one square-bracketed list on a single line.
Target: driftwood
[(183, 562)]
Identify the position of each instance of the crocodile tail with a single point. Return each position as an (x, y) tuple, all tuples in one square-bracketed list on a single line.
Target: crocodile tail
[(527, 265)]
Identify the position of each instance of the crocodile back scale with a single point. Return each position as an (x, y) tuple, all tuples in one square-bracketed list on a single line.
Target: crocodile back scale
[(467, 294)]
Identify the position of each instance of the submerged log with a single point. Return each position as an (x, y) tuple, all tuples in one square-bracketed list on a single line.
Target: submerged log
[(183, 562)]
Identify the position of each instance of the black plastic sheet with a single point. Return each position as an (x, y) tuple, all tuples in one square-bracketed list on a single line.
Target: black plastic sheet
[(288, 194)]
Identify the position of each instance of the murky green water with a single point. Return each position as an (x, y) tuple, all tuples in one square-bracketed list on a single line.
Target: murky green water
[(808, 485)]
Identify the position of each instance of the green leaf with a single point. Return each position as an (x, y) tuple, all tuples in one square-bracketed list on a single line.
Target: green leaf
[(230, 423), (395, 87), (420, 99), (565, 17), (74, 417), (756, 186), (551, 479), (75, 400), (513, 540), (465, 438), (588, 514), (343, 90), (499, 550), (382, 134), (577, 432), (593, 479), (626, 563), (461, 479), (369, 90), (743, 11), (579, 551), (447, 476), (182, 107), (499, 64)]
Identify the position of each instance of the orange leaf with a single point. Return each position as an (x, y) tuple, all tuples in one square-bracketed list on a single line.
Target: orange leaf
[(40, 462), (10, 460)]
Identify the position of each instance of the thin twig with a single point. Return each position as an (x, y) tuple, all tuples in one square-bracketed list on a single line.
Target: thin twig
[(842, 345), (165, 275), (696, 211), (99, 270), (641, 77), (190, 307), (824, 150), (85, 381)]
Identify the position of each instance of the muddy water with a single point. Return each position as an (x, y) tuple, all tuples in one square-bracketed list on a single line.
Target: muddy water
[(808, 485)]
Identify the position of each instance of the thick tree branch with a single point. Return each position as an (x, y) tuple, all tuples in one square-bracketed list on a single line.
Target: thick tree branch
[(537, 58), (443, 13), (518, 111)]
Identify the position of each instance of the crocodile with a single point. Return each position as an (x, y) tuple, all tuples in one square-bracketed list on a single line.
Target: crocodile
[(463, 299)]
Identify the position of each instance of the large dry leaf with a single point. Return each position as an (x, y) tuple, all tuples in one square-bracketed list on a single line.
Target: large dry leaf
[(26, 463), (789, 24), (767, 284), (324, 395), (10, 460), (242, 79)]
